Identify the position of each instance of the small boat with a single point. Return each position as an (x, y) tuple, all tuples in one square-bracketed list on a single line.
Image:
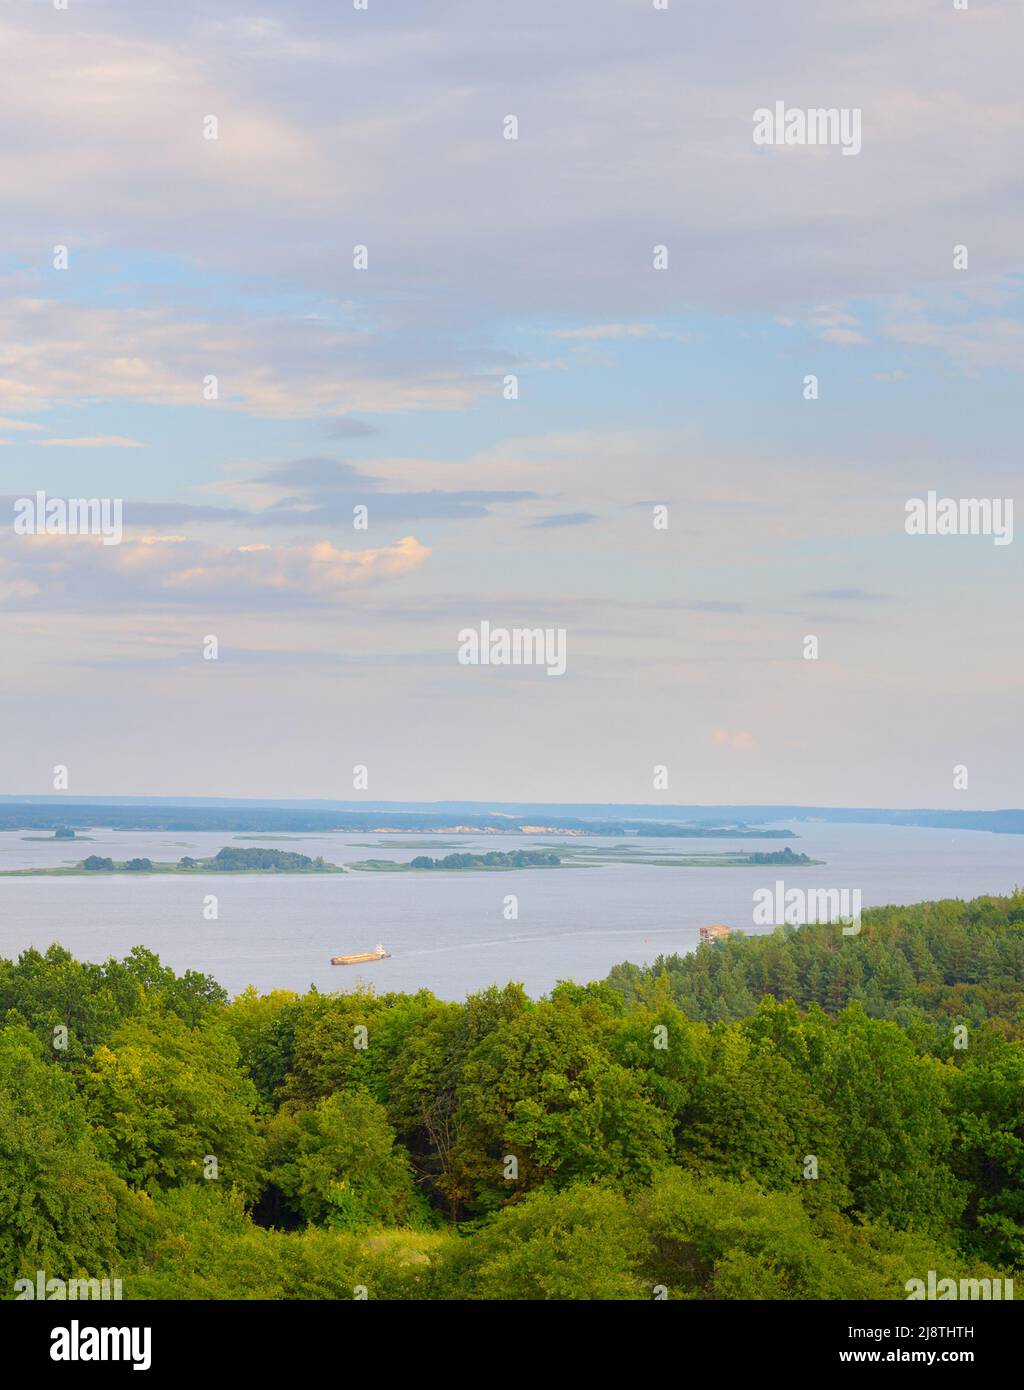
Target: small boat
[(361, 957)]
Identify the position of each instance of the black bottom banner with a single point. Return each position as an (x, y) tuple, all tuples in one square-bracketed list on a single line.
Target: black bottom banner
[(185, 1339)]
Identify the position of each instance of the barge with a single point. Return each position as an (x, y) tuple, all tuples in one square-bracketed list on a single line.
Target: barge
[(361, 957)]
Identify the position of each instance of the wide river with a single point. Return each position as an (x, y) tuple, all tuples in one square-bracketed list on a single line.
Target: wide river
[(448, 931)]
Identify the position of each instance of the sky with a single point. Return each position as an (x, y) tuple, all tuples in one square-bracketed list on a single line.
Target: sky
[(387, 387)]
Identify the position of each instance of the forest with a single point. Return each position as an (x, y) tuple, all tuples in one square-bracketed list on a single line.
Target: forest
[(802, 1115)]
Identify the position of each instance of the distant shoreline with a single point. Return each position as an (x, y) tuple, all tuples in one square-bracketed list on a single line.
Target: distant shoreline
[(581, 858), (268, 816)]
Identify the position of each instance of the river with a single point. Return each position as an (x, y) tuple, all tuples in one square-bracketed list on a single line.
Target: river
[(448, 932)]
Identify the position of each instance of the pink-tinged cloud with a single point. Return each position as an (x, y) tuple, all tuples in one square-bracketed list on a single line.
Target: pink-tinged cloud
[(318, 569), (72, 571), (739, 741)]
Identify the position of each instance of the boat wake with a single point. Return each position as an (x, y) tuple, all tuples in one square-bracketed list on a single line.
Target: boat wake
[(548, 936)]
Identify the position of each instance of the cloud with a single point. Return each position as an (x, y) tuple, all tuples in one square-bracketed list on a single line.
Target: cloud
[(979, 344), (570, 211), (712, 494), (618, 330), (160, 514), (352, 429), (319, 491), (563, 519), (233, 257), (833, 316), (268, 659), (174, 571), (318, 570), (714, 605), (95, 441), (835, 324), (739, 741), (20, 425), (317, 471), (848, 595), (136, 102), (276, 367), (17, 589), (843, 337)]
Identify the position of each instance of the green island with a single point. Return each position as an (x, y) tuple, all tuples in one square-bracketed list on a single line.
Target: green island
[(61, 833), (719, 859), (581, 856), (496, 859), (230, 860), (887, 1066)]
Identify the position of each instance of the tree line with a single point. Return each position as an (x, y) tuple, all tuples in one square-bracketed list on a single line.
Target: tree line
[(794, 1116), (495, 859)]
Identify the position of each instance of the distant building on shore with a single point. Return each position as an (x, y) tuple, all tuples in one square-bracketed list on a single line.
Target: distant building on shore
[(714, 933)]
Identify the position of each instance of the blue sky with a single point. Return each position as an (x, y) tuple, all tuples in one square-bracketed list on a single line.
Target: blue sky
[(384, 387)]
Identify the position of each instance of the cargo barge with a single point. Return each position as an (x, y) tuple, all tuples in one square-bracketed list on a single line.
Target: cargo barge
[(361, 957)]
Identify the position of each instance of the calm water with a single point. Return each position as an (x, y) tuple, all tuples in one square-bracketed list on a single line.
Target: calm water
[(448, 932)]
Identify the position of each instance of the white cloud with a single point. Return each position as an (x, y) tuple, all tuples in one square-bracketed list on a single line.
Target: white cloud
[(843, 337), (94, 441), (974, 346), (333, 132), (54, 353), (20, 425), (618, 330)]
